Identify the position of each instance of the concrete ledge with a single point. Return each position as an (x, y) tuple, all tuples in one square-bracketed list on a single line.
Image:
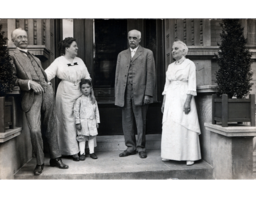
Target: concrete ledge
[(232, 131), (10, 134), (206, 88), (15, 91), (232, 151), (206, 51), (37, 50)]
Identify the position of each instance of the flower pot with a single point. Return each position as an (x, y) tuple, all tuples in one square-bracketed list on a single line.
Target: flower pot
[(227, 110)]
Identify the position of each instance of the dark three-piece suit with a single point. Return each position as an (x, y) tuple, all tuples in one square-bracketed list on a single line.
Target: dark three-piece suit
[(135, 79)]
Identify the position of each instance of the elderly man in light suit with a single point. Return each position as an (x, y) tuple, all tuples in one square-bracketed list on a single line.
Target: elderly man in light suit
[(134, 88), (37, 101)]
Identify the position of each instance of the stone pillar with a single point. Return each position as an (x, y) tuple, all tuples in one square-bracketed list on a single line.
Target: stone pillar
[(204, 110), (231, 151), (10, 27)]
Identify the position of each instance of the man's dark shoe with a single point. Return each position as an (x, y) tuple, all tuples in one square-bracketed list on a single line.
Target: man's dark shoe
[(93, 156), (38, 169), (126, 153), (82, 157), (75, 157), (143, 154), (58, 163)]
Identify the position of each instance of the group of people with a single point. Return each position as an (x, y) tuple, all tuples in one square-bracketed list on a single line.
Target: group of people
[(72, 118)]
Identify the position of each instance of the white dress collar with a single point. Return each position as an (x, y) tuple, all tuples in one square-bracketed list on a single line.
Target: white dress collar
[(179, 62)]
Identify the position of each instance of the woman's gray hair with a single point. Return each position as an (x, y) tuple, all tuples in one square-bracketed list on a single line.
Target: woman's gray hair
[(184, 46)]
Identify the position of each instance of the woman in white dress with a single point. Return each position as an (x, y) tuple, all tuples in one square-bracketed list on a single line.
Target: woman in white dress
[(180, 127), (70, 69)]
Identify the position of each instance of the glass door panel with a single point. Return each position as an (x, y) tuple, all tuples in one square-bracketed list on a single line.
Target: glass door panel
[(110, 38)]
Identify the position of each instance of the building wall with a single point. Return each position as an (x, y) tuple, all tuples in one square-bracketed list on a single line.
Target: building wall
[(202, 37)]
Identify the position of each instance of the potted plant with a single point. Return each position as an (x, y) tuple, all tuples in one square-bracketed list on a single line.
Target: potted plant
[(6, 83), (233, 77)]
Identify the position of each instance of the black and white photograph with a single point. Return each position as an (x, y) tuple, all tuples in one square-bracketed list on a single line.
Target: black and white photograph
[(130, 98)]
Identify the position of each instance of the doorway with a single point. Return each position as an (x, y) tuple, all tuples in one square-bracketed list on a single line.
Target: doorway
[(99, 42)]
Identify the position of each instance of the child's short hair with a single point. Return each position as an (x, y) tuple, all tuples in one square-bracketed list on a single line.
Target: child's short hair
[(85, 81), (89, 82)]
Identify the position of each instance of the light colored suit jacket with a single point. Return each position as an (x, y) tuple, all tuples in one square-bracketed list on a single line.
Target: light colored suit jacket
[(22, 75), (144, 75)]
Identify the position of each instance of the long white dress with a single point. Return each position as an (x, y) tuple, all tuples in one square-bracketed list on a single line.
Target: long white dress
[(180, 131), (67, 93)]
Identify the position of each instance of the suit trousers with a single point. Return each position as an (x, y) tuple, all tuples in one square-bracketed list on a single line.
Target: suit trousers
[(134, 117), (43, 110)]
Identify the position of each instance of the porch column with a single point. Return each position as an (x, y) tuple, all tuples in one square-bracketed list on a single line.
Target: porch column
[(204, 110)]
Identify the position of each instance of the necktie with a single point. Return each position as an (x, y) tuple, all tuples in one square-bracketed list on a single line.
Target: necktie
[(31, 58), (28, 55), (24, 52)]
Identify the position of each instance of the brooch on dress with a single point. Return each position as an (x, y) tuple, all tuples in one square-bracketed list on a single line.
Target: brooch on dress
[(72, 65)]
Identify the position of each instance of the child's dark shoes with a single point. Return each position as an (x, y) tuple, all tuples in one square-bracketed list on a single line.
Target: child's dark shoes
[(82, 157), (75, 157), (93, 156)]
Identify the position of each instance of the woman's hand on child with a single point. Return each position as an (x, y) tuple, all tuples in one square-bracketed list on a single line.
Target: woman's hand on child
[(97, 125), (78, 127)]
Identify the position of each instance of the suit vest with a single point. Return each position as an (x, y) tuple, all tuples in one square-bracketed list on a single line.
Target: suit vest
[(35, 71), (129, 87)]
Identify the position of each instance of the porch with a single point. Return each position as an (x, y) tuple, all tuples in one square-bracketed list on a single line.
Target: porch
[(110, 166)]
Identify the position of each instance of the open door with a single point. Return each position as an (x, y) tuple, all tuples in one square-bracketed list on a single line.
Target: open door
[(99, 42)]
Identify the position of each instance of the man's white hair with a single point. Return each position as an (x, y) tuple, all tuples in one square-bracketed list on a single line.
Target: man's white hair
[(13, 33), (137, 31), (184, 46)]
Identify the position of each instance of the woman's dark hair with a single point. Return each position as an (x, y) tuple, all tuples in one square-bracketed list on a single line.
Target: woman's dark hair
[(65, 43), (89, 82)]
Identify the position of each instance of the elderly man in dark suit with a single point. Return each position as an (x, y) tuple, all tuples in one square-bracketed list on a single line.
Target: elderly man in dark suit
[(134, 88), (37, 101)]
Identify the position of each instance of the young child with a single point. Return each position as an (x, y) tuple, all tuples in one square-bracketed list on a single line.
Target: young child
[(87, 119)]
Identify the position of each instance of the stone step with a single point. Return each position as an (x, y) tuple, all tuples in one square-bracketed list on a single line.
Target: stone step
[(110, 166), (116, 142)]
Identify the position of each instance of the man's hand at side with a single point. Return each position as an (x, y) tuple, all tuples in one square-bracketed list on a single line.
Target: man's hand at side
[(36, 87), (147, 99)]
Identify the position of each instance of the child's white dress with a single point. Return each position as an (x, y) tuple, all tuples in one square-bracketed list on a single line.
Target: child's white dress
[(87, 114)]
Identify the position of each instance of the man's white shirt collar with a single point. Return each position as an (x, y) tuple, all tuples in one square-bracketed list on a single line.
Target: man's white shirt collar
[(24, 50), (134, 50)]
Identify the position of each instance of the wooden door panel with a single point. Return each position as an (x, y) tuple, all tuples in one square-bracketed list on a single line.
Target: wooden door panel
[(83, 33)]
